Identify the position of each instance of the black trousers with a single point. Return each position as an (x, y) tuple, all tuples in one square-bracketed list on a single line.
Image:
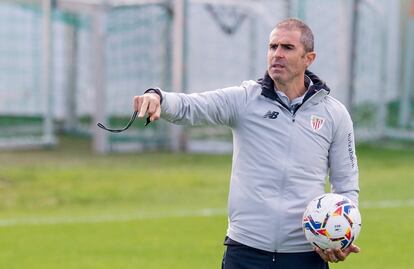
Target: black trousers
[(244, 257)]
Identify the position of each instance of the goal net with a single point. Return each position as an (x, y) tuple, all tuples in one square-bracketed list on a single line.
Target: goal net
[(24, 106), (105, 52)]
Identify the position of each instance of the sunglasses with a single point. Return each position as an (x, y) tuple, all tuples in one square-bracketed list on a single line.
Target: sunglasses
[(134, 116)]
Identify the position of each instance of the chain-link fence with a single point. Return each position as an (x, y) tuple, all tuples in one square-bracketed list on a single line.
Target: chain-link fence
[(24, 105), (105, 54)]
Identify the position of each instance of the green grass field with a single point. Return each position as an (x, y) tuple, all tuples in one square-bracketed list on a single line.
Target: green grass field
[(67, 208)]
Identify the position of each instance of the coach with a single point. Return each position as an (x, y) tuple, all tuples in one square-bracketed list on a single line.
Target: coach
[(289, 134)]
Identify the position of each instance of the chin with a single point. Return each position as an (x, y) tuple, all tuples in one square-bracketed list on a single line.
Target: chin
[(277, 77)]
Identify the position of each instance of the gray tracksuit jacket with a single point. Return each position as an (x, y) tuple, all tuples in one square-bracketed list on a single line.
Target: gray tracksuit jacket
[(280, 157)]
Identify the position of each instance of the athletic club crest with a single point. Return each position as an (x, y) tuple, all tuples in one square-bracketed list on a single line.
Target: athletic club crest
[(316, 122)]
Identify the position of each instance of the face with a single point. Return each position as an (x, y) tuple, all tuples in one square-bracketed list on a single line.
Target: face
[(286, 56)]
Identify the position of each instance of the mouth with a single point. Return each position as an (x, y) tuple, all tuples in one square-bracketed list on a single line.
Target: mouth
[(277, 66)]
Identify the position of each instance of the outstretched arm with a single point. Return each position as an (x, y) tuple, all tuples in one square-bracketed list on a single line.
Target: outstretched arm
[(218, 107)]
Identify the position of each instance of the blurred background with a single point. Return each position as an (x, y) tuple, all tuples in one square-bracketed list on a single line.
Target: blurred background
[(67, 64)]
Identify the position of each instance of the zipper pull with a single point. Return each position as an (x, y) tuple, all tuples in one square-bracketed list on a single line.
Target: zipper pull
[(274, 257)]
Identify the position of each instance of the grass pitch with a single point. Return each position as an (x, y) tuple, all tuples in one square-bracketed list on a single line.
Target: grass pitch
[(67, 208)]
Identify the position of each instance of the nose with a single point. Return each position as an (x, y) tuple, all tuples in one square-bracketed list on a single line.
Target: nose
[(278, 52)]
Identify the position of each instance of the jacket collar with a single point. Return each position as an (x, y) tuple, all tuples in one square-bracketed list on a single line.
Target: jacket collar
[(268, 90)]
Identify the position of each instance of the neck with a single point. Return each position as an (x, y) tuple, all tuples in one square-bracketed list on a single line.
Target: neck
[(292, 89)]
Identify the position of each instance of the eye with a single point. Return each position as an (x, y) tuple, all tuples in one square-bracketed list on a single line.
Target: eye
[(288, 47), (273, 46)]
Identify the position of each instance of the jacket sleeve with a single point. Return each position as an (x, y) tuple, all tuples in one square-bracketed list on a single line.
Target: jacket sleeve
[(219, 107), (343, 172)]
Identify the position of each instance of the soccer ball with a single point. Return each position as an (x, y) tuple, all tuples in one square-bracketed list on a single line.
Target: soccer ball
[(331, 221)]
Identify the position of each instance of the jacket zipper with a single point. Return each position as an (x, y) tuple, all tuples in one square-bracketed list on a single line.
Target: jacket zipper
[(282, 186), (307, 101), (289, 151)]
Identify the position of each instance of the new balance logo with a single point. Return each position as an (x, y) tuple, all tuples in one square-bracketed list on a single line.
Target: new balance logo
[(271, 115)]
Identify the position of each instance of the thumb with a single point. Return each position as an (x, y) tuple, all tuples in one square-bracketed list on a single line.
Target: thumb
[(354, 248)]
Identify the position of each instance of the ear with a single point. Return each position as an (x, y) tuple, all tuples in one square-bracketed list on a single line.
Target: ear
[(309, 58)]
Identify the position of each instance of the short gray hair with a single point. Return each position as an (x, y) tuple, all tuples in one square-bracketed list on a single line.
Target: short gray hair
[(306, 37)]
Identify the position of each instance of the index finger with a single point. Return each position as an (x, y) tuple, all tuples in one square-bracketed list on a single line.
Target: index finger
[(331, 255), (144, 108), (137, 103), (339, 254)]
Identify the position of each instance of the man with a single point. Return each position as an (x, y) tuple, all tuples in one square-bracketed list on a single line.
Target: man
[(289, 134)]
